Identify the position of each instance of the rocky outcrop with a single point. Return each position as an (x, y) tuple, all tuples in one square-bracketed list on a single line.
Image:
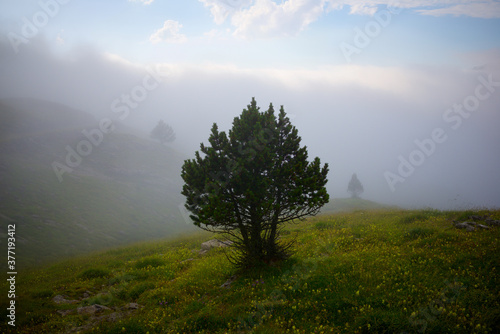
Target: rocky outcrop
[(97, 313), (470, 226), (214, 243), (60, 299), (132, 306), (473, 223), (92, 309)]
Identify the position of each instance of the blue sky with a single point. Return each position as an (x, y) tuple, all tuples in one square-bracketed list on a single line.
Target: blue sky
[(363, 80)]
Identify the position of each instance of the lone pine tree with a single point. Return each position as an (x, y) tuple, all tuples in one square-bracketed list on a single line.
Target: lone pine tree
[(163, 132), (355, 187), (247, 184)]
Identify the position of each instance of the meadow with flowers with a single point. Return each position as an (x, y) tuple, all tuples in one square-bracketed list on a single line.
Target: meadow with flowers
[(366, 271)]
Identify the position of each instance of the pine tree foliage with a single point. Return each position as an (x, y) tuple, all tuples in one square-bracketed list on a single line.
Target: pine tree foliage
[(163, 133), (355, 187), (246, 184)]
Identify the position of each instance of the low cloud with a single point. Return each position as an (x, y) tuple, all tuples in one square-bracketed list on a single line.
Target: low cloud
[(357, 118), (168, 33)]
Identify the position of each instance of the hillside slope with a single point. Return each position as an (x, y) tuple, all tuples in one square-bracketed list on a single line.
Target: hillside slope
[(352, 204), (127, 189), (386, 271)]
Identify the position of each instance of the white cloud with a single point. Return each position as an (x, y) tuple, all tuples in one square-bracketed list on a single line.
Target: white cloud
[(168, 33), (363, 9), (267, 18), (144, 2), (486, 10), (473, 8), (221, 9)]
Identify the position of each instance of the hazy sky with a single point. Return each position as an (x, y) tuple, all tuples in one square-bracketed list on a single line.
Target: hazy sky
[(404, 93)]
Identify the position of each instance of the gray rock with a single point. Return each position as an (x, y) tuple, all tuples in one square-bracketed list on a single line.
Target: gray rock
[(492, 222), (92, 309), (208, 245), (472, 226), (59, 299), (465, 225), (483, 226), (215, 243), (112, 317), (132, 306), (227, 284), (64, 313)]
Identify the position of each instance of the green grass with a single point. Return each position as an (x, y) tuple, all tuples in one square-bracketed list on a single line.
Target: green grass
[(383, 271), (94, 273), (351, 204)]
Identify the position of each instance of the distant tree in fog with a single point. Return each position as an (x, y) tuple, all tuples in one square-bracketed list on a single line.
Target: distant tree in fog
[(355, 187), (163, 133)]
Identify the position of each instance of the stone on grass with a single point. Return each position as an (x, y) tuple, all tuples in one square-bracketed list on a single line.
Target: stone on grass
[(92, 309), (59, 299), (214, 243)]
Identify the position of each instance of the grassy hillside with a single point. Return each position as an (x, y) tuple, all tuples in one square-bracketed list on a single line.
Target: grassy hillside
[(351, 204), (127, 189), (385, 271)]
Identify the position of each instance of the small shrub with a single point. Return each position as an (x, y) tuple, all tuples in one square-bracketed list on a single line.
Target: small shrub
[(203, 322), (419, 232), (419, 216), (42, 294), (120, 294), (121, 279), (193, 307), (101, 299), (447, 236), (94, 273), (36, 318), (131, 326), (380, 321), (140, 289), (322, 225), (149, 262), (465, 215)]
